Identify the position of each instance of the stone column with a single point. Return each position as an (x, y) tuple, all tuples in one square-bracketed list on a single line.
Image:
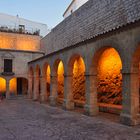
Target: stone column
[(130, 104), (68, 95), (7, 89), (43, 95), (91, 106), (36, 88), (53, 90), (30, 86)]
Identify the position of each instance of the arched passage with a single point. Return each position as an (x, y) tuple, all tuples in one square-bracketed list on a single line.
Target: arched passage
[(107, 65), (37, 83), (135, 79), (77, 70), (59, 72), (60, 78), (47, 74), (18, 86), (2, 87), (31, 82)]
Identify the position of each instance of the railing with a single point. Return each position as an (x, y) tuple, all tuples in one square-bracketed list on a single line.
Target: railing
[(11, 29)]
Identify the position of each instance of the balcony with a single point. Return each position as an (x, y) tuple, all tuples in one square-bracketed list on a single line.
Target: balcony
[(20, 29)]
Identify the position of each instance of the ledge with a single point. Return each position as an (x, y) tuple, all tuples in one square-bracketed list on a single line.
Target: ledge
[(8, 73)]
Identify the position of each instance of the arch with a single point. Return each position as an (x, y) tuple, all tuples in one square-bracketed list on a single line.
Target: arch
[(135, 77), (107, 66), (71, 63), (77, 68), (58, 70), (31, 81), (31, 71), (2, 87), (47, 75), (37, 70), (18, 86), (37, 83)]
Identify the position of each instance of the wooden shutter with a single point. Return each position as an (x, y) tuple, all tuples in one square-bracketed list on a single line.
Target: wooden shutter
[(7, 65)]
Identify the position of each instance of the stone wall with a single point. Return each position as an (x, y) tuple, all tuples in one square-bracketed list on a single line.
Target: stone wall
[(78, 84), (60, 80), (94, 18), (110, 77)]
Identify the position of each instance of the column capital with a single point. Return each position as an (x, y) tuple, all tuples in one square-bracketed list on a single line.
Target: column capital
[(36, 76), (90, 74), (68, 75), (54, 75), (127, 72)]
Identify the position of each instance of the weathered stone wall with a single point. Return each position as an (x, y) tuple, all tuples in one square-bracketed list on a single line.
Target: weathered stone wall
[(78, 83), (110, 77), (19, 42), (60, 81), (92, 19)]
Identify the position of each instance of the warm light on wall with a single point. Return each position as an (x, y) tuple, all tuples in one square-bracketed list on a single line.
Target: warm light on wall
[(2, 85), (13, 86), (24, 44), (48, 77), (110, 78), (109, 64), (19, 42), (60, 68), (78, 83), (60, 77), (79, 66)]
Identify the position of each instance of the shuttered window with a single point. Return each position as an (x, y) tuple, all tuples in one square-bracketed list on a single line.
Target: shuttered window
[(7, 65)]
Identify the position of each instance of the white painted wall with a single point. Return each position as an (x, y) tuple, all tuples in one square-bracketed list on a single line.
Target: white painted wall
[(75, 4), (15, 21)]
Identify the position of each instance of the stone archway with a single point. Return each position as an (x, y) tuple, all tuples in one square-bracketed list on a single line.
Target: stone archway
[(18, 86), (107, 66), (37, 85), (135, 79), (31, 82), (59, 73), (47, 80), (2, 87), (76, 68)]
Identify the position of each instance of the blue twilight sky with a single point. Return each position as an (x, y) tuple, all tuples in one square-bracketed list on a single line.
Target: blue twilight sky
[(45, 11)]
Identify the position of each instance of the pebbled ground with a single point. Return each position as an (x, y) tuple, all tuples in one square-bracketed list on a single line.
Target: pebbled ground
[(24, 119)]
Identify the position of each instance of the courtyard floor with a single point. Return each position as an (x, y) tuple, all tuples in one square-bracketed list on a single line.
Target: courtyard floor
[(24, 119)]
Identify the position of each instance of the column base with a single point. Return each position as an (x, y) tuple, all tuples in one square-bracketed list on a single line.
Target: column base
[(43, 98), (53, 101), (7, 96), (91, 111), (30, 96), (36, 98), (127, 119), (68, 105)]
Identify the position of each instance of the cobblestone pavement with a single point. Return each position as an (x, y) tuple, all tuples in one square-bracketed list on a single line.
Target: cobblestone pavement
[(26, 120)]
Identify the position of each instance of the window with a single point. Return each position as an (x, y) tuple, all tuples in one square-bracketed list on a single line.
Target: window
[(8, 65), (21, 28)]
